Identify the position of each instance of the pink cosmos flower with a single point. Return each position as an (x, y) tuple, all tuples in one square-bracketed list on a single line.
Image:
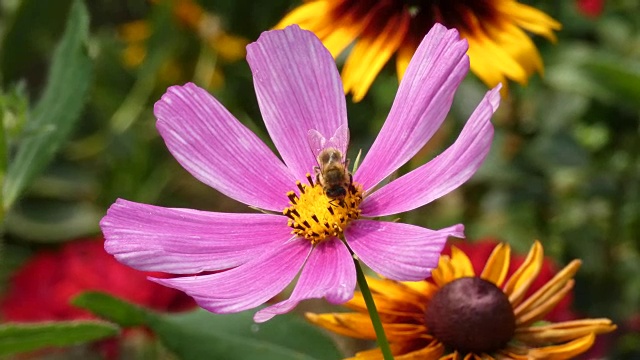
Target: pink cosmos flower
[(256, 255)]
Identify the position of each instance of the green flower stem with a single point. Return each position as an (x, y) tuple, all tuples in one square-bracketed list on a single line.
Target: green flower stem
[(373, 313)]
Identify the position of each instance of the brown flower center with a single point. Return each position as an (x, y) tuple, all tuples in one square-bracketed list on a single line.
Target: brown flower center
[(464, 15), (471, 315)]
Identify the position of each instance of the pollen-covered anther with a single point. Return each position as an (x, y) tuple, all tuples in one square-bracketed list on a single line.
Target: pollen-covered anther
[(316, 217)]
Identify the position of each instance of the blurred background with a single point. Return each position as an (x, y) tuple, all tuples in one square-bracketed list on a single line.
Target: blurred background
[(79, 132)]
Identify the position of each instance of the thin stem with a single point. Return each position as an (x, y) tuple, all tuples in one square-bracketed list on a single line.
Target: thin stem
[(373, 313)]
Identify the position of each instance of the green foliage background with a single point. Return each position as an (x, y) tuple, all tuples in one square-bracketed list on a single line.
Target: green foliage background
[(78, 132)]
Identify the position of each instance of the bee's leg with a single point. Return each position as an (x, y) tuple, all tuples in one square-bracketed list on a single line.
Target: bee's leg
[(351, 187)]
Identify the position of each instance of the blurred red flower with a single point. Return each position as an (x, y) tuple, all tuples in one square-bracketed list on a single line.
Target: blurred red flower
[(479, 251), (590, 8), (42, 288)]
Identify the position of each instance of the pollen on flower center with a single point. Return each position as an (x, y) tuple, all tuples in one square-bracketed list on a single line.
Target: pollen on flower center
[(315, 216)]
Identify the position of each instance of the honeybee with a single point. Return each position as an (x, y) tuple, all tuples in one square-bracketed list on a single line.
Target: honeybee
[(331, 172)]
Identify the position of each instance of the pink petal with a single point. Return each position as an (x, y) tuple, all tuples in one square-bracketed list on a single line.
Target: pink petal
[(246, 286), (329, 272), (444, 173), (421, 104), (398, 251), (219, 151), (185, 241), (298, 89)]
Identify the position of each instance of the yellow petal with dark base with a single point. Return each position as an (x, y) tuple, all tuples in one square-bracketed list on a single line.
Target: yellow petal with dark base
[(431, 352), (306, 16), (521, 280), (548, 296), (461, 264), (564, 351), (497, 265), (530, 19), (564, 331), (369, 56), (444, 273)]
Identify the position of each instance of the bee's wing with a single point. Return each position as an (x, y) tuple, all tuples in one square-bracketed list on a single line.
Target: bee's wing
[(316, 141), (340, 140)]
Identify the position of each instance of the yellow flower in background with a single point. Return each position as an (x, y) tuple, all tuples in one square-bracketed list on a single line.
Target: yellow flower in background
[(134, 34), (460, 315), (499, 47), (209, 27), (228, 48)]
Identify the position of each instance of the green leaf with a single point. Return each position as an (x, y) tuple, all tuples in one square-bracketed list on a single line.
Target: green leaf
[(203, 335), (13, 113), (57, 110), (28, 34), (119, 311), (16, 338), (51, 220)]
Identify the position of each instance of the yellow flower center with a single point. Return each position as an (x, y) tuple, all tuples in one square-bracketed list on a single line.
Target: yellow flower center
[(315, 216)]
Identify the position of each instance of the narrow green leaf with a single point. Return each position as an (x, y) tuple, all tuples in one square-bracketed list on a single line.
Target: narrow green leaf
[(3, 152), (14, 105), (202, 335), (58, 109), (119, 311), (15, 338)]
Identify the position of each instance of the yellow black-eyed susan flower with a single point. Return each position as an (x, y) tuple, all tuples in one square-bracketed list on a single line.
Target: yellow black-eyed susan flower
[(499, 46), (460, 315)]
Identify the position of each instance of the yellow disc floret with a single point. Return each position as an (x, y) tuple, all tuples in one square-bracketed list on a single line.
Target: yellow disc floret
[(315, 216)]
